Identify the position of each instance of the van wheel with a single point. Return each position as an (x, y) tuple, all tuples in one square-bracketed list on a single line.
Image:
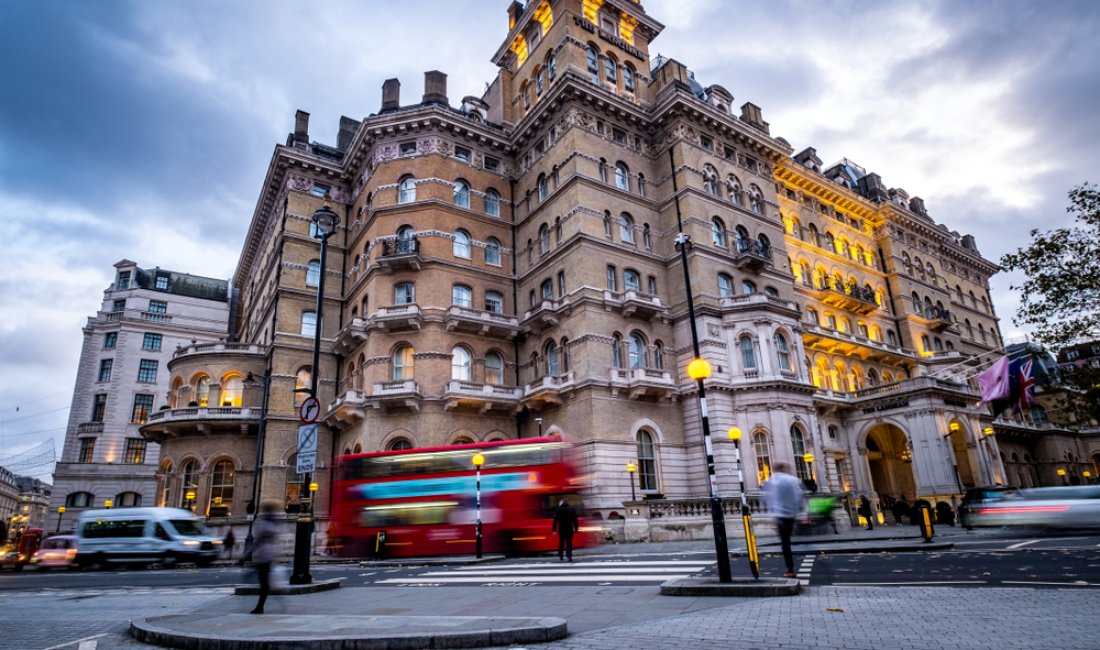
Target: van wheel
[(98, 562), (169, 561)]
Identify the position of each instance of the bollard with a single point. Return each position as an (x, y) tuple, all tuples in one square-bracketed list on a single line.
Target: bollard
[(750, 541), (380, 545), (925, 520)]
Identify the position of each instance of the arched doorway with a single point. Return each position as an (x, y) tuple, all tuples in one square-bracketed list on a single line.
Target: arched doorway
[(890, 463)]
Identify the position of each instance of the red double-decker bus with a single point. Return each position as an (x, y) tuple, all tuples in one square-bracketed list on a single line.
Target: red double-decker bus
[(423, 500)]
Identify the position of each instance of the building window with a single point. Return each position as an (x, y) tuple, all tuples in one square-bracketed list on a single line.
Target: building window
[(628, 78), (99, 407), (320, 190), (135, 451), (647, 237), (763, 456), (593, 64), (80, 500), (610, 69), (492, 251), (725, 286), (221, 489), (161, 283), (188, 484), (561, 284), (123, 280), (546, 290), (308, 324), (408, 149), (232, 391), (87, 450), (491, 164), (494, 302), (626, 228), (612, 278), (494, 369), (406, 190), (461, 364), (128, 500), (404, 293), (782, 351), (616, 351), (636, 351), (544, 239), (718, 232), (748, 287), (313, 273), (303, 384), (110, 340), (492, 203), (403, 363), (462, 194), (462, 296), (647, 462), (400, 444), (632, 281), (622, 177), (553, 363), (142, 405), (158, 307), (151, 341), (463, 154), (147, 371), (118, 305), (798, 446), (748, 354), (461, 247), (105, 369)]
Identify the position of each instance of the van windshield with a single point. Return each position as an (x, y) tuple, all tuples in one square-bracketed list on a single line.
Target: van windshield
[(188, 527)]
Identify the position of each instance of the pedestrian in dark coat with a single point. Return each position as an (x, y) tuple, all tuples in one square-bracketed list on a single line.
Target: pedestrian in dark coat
[(565, 524), (228, 543), (900, 510), (864, 510), (265, 549)]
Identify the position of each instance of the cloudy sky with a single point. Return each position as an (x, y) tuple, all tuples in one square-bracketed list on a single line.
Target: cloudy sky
[(143, 130)]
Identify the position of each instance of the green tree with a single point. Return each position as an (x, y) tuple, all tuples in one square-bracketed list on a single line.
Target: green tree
[(1060, 297)]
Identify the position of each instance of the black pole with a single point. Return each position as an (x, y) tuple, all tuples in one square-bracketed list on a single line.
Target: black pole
[(260, 430), (59, 516), (633, 494), (477, 542), (718, 520)]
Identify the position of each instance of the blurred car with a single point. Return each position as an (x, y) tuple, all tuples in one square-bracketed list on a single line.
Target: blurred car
[(58, 551), (1047, 507), (976, 497), (19, 555)]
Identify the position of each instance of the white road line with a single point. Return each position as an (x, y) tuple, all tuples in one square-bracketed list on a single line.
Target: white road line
[(805, 569), (1061, 584), (88, 645), (561, 571), (79, 643), (536, 578), (912, 584), (1013, 547)]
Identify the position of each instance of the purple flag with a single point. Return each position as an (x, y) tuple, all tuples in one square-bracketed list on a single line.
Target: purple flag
[(994, 382)]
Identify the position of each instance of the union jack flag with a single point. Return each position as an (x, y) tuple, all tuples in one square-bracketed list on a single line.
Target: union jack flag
[(1027, 387)]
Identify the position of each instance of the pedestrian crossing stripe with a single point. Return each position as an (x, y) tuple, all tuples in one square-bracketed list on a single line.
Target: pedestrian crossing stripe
[(535, 579), (565, 569), (640, 563), (547, 572)]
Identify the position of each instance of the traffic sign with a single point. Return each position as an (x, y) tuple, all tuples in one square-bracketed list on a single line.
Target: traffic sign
[(307, 463), (310, 410), (307, 449)]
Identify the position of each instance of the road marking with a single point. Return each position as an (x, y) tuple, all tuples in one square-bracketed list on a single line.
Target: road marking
[(805, 569), (1079, 583), (548, 578), (589, 564), (1013, 547), (914, 584), (550, 570), (80, 643)]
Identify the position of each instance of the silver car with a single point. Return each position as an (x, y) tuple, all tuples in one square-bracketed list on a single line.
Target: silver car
[(1048, 507)]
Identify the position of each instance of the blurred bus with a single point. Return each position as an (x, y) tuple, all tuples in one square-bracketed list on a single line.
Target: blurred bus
[(423, 501)]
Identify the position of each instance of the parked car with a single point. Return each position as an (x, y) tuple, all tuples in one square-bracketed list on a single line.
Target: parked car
[(143, 536), (1047, 507), (977, 496), (58, 551)]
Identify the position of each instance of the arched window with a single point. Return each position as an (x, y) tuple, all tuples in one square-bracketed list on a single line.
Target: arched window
[(538, 81), (748, 354), (404, 293), (710, 180), (917, 304), (742, 239), (718, 232), (748, 287), (782, 351), (232, 390), (607, 224), (557, 231), (308, 324), (626, 228), (561, 284), (494, 369), (492, 203), (544, 239), (593, 64), (403, 363), (551, 66), (647, 462), (221, 489), (725, 286), (543, 187), (658, 355), (399, 444), (461, 364), (925, 346), (765, 245), (494, 302), (763, 454), (462, 296), (628, 78), (647, 237), (622, 176), (303, 382), (632, 281), (553, 362), (798, 446), (603, 170), (202, 391), (811, 315), (80, 500), (492, 251), (406, 190), (546, 289), (612, 278), (461, 247), (637, 350), (189, 486), (616, 351), (872, 377), (611, 69), (462, 194), (313, 273)]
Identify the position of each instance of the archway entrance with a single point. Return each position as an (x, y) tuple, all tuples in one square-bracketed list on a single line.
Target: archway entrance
[(890, 463)]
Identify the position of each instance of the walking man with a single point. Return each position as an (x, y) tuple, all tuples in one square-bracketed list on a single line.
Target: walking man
[(265, 550), (565, 524), (783, 493), (864, 510)]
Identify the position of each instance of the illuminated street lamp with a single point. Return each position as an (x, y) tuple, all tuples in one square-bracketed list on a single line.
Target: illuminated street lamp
[(478, 461), (108, 503), (630, 469), (1062, 473), (808, 458), (60, 514)]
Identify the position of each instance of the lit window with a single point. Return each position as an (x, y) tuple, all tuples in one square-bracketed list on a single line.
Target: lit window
[(762, 450), (135, 451), (232, 391), (221, 489), (87, 450), (142, 405), (403, 363)]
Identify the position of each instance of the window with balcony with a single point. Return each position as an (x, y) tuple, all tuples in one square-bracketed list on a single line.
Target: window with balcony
[(462, 363), (647, 462), (632, 280), (158, 307), (143, 404), (561, 284), (636, 350), (135, 451), (553, 362), (612, 278), (202, 391), (718, 232), (189, 475), (725, 286), (494, 369), (462, 296), (105, 366), (403, 363), (404, 293), (748, 353), (87, 450), (232, 390), (748, 287), (494, 302), (616, 351), (546, 290), (147, 371)]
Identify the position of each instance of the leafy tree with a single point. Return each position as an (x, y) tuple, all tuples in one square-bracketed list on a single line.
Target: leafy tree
[(1060, 298)]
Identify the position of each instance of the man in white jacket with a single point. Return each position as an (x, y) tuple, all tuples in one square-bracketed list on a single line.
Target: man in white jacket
[(784, 496)]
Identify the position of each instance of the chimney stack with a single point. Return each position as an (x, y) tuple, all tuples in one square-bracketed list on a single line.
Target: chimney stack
[(301, 129), (754, 117), (871, 187), (515, 10), (348, 127), (916, 204), (435, 88), (391, 95)]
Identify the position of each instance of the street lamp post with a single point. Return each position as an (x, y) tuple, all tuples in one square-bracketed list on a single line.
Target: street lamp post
[(1062, 473), (108, 503), (808, 458), (254, 505), (630, 469), (60, 514), (324, 220), (478, 460)]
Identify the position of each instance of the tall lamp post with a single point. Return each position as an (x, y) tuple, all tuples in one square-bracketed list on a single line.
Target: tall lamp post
[(60, 514), (630, 469), (254, 505), (324, 220), (478, 461)]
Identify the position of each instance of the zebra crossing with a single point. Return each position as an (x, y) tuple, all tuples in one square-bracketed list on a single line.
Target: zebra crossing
[(597, 572)]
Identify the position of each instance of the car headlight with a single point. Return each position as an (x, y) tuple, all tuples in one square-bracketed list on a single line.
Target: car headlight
[(217, 542), (190, 542)]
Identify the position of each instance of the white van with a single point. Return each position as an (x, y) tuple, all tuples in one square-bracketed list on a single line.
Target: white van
[(143, 536)]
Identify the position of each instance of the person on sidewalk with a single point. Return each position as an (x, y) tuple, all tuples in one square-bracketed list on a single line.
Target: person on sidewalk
[(784, 497), (565, 524), (864, 510), (900, 508), (228, 543), (265, 549)]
